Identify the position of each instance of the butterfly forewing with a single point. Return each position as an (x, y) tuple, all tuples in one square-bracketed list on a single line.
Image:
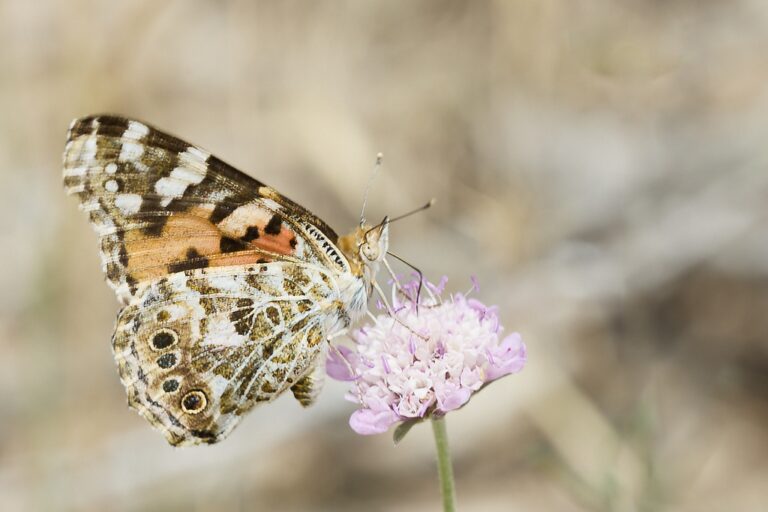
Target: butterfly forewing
[(161, 205)]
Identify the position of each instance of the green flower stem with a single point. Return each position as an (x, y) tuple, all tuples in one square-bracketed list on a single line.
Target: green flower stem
[(444, 468)]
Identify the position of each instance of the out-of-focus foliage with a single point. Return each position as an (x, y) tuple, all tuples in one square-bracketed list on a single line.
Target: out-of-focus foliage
[(600, 166)]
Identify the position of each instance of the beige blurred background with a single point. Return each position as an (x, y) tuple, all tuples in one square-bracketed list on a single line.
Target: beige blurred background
[(600, 166)]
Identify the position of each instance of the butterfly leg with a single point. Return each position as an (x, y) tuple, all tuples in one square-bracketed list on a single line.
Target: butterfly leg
[(392, 275), (339, 353), (400, 287), (391, 311), (350, 371)]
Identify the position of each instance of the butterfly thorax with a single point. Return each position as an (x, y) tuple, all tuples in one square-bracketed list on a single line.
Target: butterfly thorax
[(350, 246), (364, 249)]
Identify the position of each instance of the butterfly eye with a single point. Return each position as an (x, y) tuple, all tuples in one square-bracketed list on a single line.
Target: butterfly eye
[(194, 402), (369, 252)]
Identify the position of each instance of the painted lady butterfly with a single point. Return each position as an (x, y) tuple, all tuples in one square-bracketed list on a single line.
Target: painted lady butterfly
[(230, 290)]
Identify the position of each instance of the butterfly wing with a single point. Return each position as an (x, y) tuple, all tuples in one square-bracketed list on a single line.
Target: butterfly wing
[(161, 205), (229, 286), (197, 350)]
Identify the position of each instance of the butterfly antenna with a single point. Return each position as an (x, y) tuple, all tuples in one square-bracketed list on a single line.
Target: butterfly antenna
[(421, 208), (386, 220), (376, 168)]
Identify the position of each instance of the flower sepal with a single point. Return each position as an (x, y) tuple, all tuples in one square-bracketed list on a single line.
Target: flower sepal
[(403, 428)]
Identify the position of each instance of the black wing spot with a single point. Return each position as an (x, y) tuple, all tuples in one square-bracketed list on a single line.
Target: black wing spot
[(194, 260), (194, 402), (142, 376), (241, 319), (156, 138), (207, 436), (164, 339), (167, 361), (274, 225), (228, 244), (151, 205), (252, 233), (123, 256), (131, 282), (136, 324), (220, 212), (170, 385), (113, 272)]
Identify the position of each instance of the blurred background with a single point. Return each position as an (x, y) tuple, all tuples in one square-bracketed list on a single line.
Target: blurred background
[(600, 166)]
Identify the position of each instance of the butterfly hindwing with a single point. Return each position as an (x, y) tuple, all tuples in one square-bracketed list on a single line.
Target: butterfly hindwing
[(197, 350), (161, 205)]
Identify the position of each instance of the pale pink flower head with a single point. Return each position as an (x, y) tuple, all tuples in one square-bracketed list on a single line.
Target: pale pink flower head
[(427, 360)]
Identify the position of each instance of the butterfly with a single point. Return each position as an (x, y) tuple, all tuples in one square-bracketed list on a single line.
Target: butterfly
[(229, 290)]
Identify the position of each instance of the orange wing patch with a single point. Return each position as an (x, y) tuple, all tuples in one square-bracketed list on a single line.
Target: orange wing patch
[(189, 240), (260, 228)]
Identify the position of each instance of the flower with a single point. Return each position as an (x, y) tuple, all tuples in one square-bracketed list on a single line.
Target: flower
[(426, 360)]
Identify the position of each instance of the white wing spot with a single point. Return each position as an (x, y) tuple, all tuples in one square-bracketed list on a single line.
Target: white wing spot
[(89, 149), (187, 175), (111, 168), (135, 130), (246, 215), (76, 171), (130, 151), (174, 185), (196, 154), (70, 152), (228, 283), (270, 204), (111, 186), (128, 203), (221, 332), (169, 188)]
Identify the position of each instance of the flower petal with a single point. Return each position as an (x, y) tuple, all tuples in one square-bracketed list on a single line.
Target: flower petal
[(338, 365), (452, 398), (509, 357), (367, 422)]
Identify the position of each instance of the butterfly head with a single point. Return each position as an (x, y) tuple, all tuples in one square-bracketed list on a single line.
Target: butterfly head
[(366, 247), (373, 243)]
